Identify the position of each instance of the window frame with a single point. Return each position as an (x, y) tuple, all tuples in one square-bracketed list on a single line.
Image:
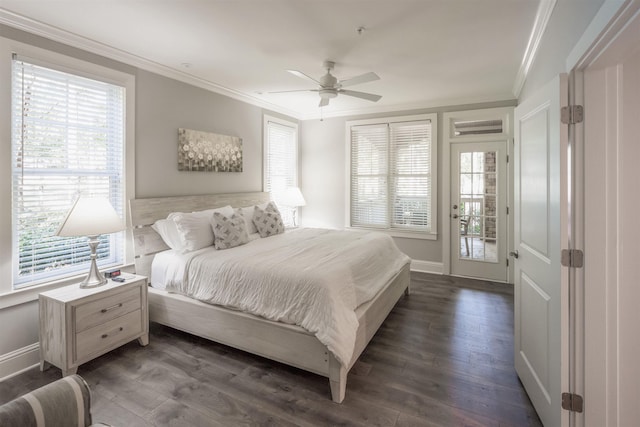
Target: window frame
[(265, 139), (432, 233), (8, 295)]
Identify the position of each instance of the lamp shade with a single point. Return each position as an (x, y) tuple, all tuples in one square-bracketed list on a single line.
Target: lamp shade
[(292, 197), (90, 216)]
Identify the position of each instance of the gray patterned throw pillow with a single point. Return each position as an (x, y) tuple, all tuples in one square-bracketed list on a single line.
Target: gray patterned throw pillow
[(229, 232), (268, 221)]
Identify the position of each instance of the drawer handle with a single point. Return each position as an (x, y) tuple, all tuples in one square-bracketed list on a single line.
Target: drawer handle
[(106, 335), (104, 310)]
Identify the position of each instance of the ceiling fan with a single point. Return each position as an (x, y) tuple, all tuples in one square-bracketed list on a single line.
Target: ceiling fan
[(330, 86)]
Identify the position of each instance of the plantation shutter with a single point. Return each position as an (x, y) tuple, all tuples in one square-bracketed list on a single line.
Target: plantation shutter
[(410, 175), (67, 139), (369, 174), (281, 163)]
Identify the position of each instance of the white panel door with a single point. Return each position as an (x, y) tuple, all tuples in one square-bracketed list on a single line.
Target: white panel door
[(540, 285), (478, 206)]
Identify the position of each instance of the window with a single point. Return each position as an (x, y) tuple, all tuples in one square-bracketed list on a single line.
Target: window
[(280, 162), (68, 135), (392, 175)]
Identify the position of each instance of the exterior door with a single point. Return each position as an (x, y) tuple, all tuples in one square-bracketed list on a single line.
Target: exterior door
[(478, 206), (540, 284)]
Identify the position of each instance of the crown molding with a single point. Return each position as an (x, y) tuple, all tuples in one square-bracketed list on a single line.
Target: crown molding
[(38, 28), (545, 10)]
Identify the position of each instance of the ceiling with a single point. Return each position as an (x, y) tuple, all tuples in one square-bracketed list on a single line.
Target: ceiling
[(426, 52)]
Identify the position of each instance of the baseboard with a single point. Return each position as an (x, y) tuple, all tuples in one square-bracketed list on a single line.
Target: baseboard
[(19, 360), (426, 266)]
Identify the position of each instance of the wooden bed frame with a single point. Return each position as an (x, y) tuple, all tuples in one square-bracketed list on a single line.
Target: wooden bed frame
[(284, 343)]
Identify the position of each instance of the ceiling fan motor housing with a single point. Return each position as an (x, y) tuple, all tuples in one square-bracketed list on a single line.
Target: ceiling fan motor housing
[(328, 93), (328, 81)]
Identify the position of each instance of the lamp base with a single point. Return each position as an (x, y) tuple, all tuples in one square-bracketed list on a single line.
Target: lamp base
[(94, 278)]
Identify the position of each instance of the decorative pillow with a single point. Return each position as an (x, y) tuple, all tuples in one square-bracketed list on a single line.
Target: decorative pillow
[(195, 228), (167, 229), (268, 221), (229, 232)]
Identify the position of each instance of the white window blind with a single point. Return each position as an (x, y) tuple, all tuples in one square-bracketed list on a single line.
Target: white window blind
[(281, 162), (369, 176), (391, 176), (410, 186), (67, 140)]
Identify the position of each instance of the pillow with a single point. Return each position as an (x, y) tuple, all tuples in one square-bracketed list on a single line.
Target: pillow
[(229, 232), (167, 229), (247, 213), (225, 210), (195, 228), (268, 221)]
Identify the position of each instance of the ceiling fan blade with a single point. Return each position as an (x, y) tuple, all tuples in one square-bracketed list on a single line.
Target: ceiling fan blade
[(303, 76), (363, 78), (363, 95), (323, 102)]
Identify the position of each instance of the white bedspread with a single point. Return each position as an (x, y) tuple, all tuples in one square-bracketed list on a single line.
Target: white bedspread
[(313, 278)]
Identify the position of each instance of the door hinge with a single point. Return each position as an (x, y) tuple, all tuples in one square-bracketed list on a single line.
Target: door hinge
[(572, 114), (507, 210), (507, 158), (572, 258), (572, 402), (507, 262)]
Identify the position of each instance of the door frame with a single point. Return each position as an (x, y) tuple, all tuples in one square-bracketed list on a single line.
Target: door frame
[(448, 138), (594, 371)]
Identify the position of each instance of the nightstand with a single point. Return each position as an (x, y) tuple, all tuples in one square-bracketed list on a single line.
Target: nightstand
[(78, 325)]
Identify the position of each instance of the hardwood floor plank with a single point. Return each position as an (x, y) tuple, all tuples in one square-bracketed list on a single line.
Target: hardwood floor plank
[(443, 357)]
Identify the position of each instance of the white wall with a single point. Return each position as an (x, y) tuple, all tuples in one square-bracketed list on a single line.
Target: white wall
[(164, 105)]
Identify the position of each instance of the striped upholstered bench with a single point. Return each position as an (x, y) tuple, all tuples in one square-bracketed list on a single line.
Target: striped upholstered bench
[(62, 403)]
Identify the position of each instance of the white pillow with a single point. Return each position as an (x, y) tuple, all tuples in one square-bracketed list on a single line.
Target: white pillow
[(167, 229), (247, 214), (225, 210), (195, 228), (229, 232)]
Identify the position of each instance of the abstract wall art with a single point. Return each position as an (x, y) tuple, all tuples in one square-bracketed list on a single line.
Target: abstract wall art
[(208, 152)]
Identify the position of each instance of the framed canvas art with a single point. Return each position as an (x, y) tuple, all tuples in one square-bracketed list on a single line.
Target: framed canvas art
[(208, 152)]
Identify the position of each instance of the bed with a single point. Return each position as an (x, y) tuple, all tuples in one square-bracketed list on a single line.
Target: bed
[(282, 342)]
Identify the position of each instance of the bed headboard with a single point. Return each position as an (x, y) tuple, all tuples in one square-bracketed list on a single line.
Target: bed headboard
[(144, 212)]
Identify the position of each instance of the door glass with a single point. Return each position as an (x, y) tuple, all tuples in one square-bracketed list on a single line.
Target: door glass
[(477, 231)]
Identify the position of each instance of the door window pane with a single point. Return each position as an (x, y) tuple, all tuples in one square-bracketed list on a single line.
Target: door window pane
[(478, 201)]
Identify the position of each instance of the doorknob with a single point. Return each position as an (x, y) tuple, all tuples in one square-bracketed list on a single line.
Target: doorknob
[(454, 216), (514, 254), (455, 206)]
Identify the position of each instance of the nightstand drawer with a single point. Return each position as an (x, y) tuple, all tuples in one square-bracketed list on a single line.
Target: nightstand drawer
[(103, 310), (103, 337)]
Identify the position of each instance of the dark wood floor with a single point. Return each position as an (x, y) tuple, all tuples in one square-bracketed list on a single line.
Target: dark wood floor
[(443, 357)]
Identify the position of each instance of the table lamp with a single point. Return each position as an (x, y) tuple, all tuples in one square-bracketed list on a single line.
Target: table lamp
[(91, 217), (292, 197)]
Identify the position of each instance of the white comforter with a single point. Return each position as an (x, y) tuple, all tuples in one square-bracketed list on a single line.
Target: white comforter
[(313, 278)]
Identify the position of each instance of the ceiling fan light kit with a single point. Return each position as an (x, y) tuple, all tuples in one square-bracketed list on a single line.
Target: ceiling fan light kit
[(331, 87)]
